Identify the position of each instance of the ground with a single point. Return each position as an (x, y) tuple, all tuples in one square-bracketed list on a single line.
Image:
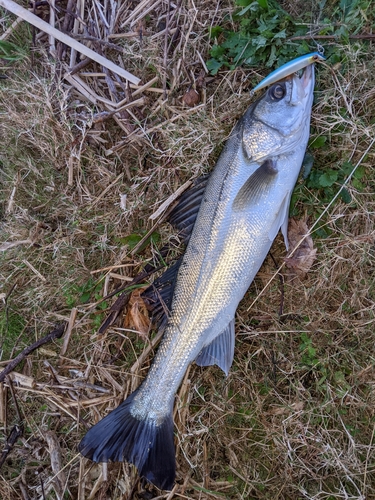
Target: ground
[(295, 417)]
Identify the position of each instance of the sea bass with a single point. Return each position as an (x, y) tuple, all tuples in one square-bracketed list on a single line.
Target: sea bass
[(245, 203)]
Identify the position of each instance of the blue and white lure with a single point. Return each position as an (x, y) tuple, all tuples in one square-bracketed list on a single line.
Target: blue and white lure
[(288, 69)]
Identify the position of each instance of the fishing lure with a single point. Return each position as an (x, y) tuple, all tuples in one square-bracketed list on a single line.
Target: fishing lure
[(288, 69)]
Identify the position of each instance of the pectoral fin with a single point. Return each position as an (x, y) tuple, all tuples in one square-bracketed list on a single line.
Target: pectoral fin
[(221, 350), (255, 185)]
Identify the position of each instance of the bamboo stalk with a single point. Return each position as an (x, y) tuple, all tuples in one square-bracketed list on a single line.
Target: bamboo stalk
[(42, 25)]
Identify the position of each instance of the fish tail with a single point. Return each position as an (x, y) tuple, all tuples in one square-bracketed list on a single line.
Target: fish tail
[(147, 444)]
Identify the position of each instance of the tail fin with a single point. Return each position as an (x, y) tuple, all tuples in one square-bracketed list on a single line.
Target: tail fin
[(121, 437)]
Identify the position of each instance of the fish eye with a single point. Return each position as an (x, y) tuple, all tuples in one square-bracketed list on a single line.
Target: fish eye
[(277, 92)]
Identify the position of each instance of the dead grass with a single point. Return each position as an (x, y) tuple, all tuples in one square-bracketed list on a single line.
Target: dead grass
[(295, 417)]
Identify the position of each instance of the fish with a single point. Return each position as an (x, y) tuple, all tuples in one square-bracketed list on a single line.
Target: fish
[(288, 68), (230, 222)]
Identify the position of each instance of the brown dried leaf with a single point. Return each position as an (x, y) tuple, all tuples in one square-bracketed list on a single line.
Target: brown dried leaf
[(303, 258), (191, 98), (137, 317)]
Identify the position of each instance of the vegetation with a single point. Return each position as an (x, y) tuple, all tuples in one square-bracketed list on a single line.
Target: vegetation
[(294, 419)]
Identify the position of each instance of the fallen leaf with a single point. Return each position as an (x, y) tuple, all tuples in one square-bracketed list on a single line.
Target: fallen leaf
[(137, 317), (304, 256), (191, 98)]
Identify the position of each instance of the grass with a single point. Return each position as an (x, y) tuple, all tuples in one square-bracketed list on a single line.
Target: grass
[(294, 419)]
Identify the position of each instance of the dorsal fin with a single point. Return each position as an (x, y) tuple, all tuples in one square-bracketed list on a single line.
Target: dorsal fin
[(184, 214), (158, 296)]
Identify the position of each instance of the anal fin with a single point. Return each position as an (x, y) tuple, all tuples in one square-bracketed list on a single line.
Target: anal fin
[(221, 350)]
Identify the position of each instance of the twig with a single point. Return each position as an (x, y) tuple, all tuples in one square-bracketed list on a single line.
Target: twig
[(17, 430), (98, 40), (72, 319), (55, 334), (166, 51), (81, 65), (15, 433), (19, 416)]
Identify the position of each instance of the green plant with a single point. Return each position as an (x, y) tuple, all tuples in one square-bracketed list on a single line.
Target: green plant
[(308, 351), (266, 35), (328, 181), (11, 328), (11, 52)]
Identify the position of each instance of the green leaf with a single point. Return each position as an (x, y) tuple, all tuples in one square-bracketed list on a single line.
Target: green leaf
[(259, 41), (345, 196), (217, 51), (213, 65), (281, 34), (328, 178), (244, 3), (358, 184), (131, 240), (318, 142), (253, 7), (11, 52), (215, 31), (307, 164), (263, 4), (360, 172), (347, 167)]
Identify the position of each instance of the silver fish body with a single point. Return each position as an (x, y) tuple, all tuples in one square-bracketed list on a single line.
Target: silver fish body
[(245, 203)]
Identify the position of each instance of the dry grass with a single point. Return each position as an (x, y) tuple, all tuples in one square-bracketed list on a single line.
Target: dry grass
[(295, 417)]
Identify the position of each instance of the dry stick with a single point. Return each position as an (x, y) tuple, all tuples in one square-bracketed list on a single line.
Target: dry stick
[(69, 17), (72, 319), (81, 65), (15, 433), (166, 51), (42, 25), (17, 430), (55, 334)]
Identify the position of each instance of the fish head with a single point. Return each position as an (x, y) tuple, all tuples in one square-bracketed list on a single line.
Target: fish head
[(280, 117)]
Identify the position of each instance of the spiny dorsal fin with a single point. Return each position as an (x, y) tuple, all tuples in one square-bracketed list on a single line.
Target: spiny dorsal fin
[(158, 296), (184, 214), (255, 185)]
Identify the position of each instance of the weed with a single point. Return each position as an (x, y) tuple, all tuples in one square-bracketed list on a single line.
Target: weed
[(267, 35), (10, 52)]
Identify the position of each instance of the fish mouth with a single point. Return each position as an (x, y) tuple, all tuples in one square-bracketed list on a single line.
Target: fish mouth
[(302, 85), (307, 77)]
